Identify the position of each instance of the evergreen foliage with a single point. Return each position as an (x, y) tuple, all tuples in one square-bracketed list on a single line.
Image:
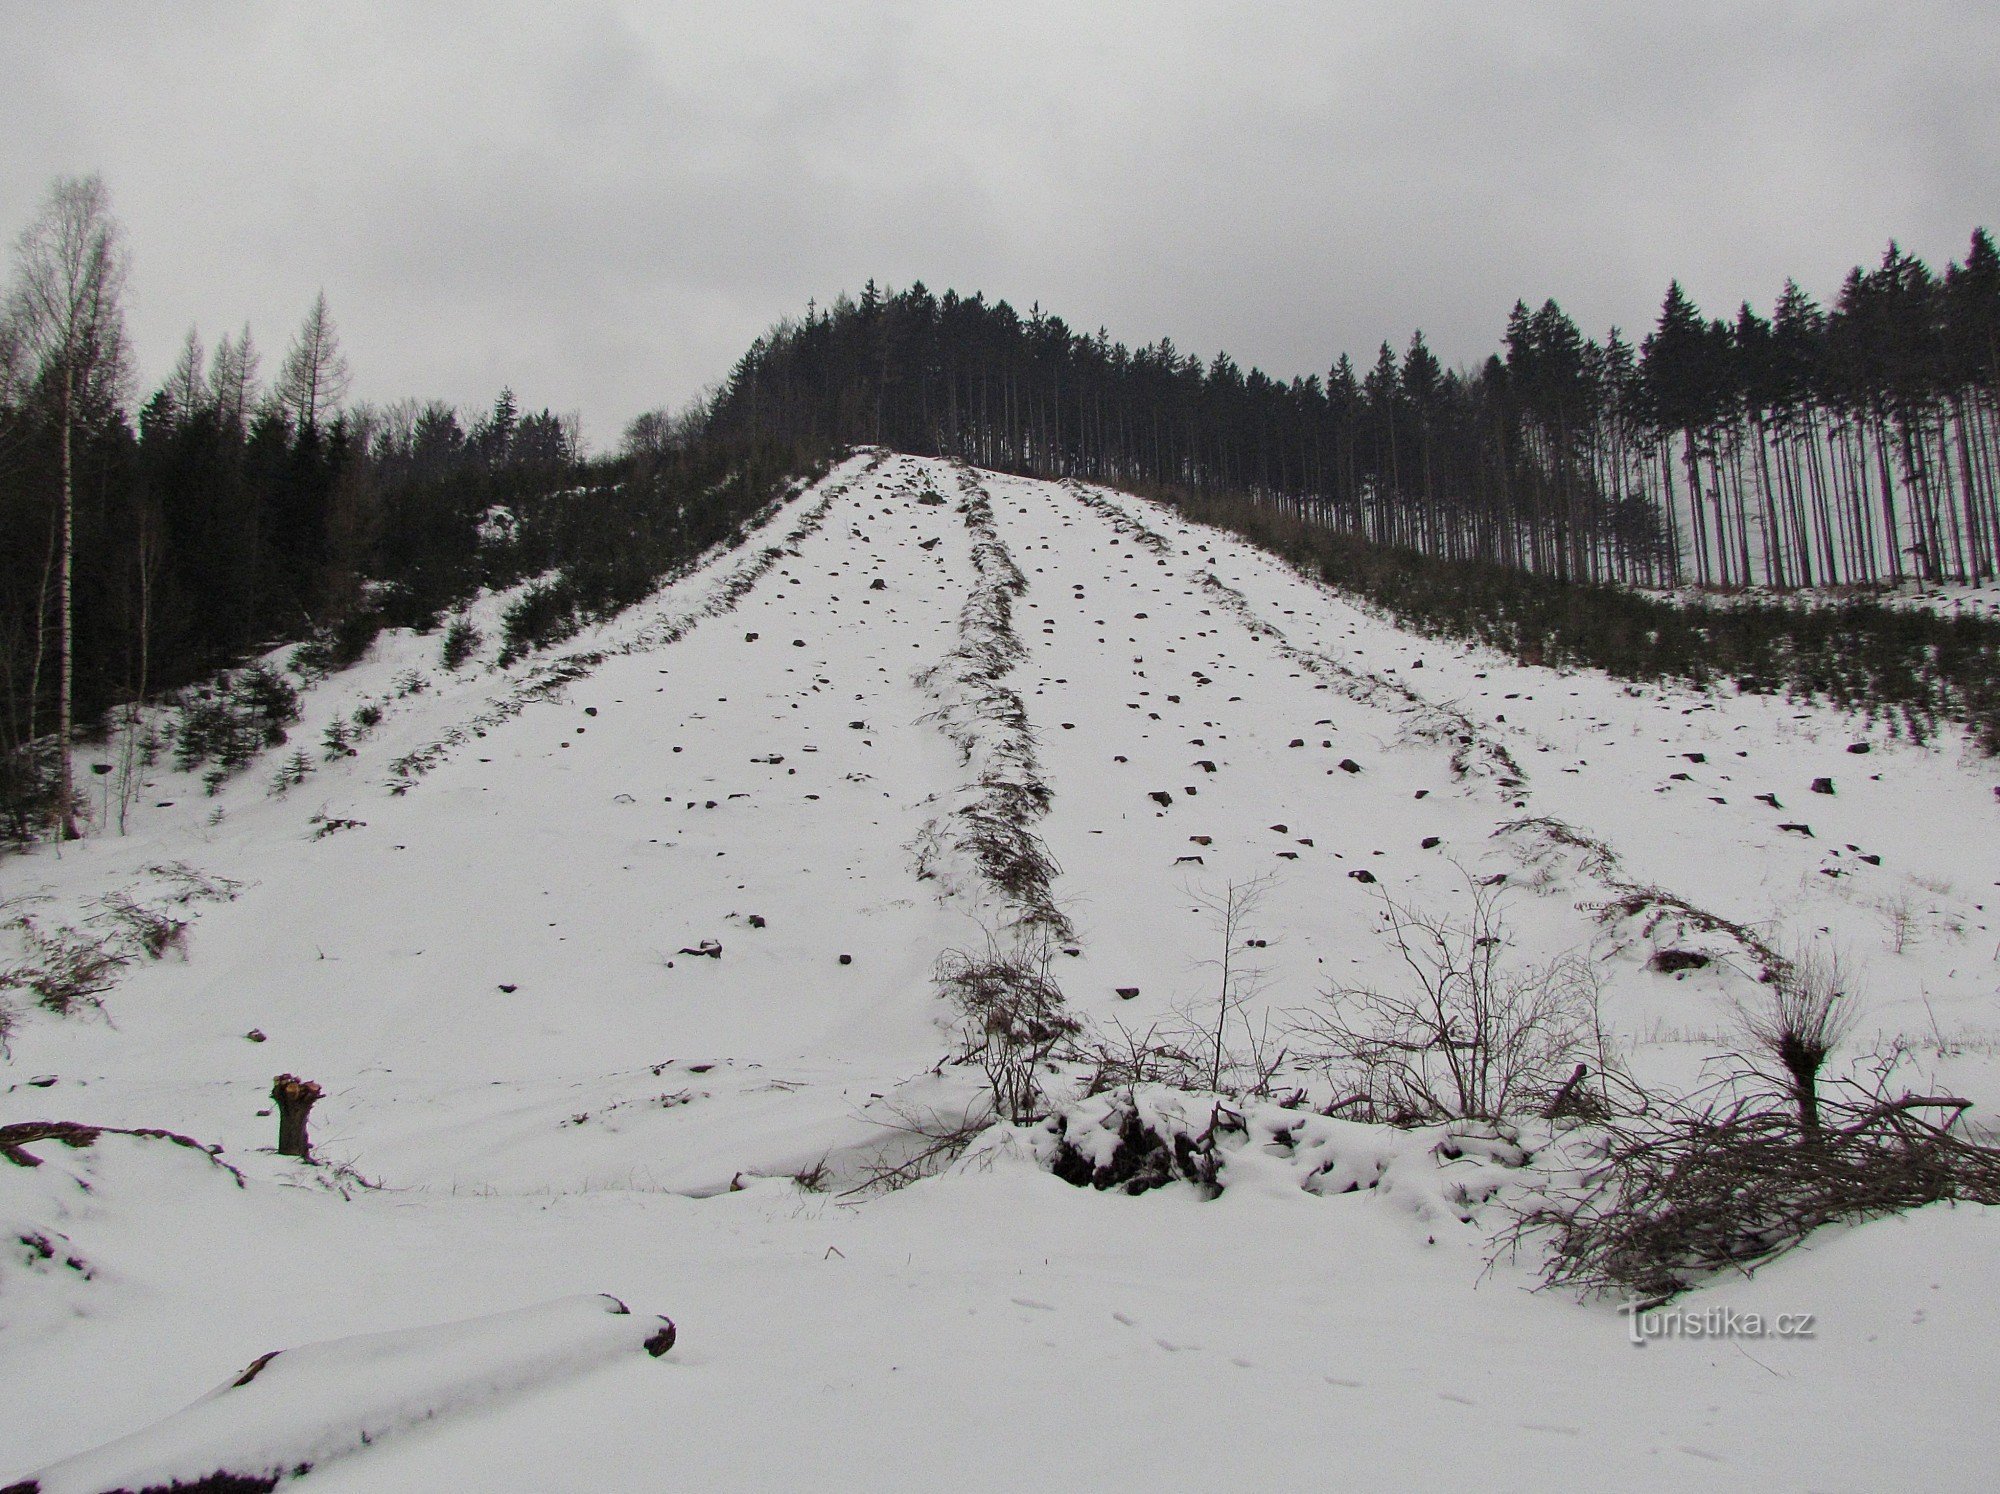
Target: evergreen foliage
[(1848, 446), (223, 521)]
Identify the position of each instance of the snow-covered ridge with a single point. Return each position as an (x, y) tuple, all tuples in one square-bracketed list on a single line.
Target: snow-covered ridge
[(991, 823)]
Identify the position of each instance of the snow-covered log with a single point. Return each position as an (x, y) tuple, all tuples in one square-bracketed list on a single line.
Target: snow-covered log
[(296, 1409)]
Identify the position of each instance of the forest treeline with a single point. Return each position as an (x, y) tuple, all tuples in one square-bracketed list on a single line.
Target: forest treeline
[(1814, 446), (150, 537), (153, 536)]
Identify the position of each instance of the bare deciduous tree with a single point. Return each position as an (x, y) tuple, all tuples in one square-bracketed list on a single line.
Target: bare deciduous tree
[(65, 312), (1239, 978), (314, 378), (186, 388), (232, 379)]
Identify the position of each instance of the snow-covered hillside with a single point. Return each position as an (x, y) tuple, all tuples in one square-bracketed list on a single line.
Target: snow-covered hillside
[(595, 956)]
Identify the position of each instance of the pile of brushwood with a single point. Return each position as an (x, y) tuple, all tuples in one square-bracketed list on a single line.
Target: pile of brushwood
[(1664, 1201)]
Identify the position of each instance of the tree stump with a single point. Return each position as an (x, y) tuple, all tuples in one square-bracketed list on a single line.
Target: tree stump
[(295, 1099)]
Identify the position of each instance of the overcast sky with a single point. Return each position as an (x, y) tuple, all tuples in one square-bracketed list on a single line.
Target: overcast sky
[(602, 204)]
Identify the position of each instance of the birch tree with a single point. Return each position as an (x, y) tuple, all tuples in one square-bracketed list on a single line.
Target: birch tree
[(66, 313)]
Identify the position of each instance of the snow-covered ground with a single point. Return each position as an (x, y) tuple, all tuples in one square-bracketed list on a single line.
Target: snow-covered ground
[(478, 933)]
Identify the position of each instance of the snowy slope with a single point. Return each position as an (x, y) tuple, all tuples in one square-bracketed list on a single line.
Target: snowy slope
[(489, 971)]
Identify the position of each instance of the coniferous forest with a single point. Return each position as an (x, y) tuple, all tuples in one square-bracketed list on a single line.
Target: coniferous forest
[(198, 523), (150, 537), (1816, 446)]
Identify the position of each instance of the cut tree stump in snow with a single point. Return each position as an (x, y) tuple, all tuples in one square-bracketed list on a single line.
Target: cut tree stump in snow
[(295, 1099), (1562, 1096)]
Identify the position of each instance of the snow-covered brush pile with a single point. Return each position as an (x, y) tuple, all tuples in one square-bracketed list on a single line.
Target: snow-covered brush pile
[(1638, 1207), (1117, 518), (1554, 854), (294, 1410), (1148, 1136), (1649, 1206), (987, 722), (1474, 751)]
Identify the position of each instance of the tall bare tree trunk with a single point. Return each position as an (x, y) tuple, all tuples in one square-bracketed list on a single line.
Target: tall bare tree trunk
[(66, 653)]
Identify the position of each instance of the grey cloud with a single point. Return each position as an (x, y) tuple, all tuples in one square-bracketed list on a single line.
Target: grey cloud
[(603, 204)]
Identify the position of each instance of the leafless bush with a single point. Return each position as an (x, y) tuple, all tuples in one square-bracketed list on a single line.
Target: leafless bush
[(1472, 1035), (1806, 1015), (66, 968), (1699, 1189), (1210, 1045), (1901, 915), (925, 1144), (1012, 1020), (1245, 1069), (1121, 1058)]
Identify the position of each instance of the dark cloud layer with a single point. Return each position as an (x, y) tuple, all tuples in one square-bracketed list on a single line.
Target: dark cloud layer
[(604, 203)]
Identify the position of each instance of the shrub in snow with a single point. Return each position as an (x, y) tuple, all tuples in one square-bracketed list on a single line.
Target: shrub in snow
[(337, 739), (292, 772), (188, 885), (1469, 1033), (232, 722), (149, 931), (461, 642), (543, 614), (1011, 1021), (339, 647)]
